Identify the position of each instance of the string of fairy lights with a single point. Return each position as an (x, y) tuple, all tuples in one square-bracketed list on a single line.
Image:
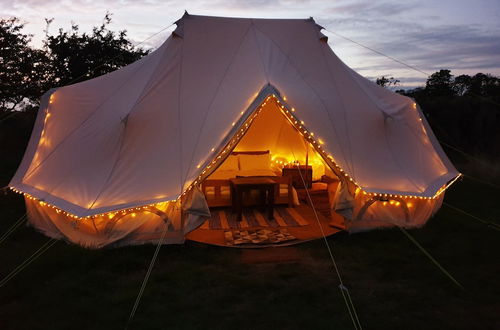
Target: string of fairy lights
[(290, 115)]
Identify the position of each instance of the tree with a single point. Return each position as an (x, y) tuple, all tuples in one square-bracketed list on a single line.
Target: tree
[(440, 84), (67, 57), (480, 84), (484, 85), (76, 56), (23, 69), (387, 82), (462, 84)]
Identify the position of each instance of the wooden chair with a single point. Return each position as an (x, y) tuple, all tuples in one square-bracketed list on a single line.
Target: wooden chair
[(216, 198)]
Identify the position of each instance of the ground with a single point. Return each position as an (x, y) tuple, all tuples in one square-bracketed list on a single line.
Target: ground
[(393, 285)]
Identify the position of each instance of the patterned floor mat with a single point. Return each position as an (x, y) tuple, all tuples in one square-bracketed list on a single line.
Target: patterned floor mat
[(252, 218), (258, 236)]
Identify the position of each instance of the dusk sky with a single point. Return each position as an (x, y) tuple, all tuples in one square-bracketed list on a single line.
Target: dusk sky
[(460, 35)]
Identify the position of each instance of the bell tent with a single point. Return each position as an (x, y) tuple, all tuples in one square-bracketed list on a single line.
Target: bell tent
[(121, 158)]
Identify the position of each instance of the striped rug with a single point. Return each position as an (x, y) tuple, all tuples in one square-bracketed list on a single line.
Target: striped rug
[(252, 218)]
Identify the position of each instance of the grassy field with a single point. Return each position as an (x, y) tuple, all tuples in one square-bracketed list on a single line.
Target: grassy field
[(195, 286)]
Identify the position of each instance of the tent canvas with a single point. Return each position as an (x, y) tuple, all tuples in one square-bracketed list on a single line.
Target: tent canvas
[(110, 154)]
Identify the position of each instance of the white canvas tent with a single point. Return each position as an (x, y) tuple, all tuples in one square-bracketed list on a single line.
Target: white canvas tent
[(132, 144)]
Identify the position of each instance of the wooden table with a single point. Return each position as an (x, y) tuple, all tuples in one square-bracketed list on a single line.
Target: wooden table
[(265, 186)]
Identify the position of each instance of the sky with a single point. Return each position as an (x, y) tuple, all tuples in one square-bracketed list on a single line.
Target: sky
[(460, 35)]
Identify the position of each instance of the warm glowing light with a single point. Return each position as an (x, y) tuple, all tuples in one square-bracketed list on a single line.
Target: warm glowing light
[(283, 162)]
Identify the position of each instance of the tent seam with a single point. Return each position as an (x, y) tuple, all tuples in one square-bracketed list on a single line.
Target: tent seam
[(213, 99), (123, 135), (179, 121), (343, 107), (260, 53), (386, 139), (81, 124), (308, 85)]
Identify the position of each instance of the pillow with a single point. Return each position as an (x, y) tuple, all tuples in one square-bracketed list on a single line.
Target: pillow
[(223, 175), (255, 162), (230, 164)]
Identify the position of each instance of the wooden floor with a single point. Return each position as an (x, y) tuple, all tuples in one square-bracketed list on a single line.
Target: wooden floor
[(302, 233)]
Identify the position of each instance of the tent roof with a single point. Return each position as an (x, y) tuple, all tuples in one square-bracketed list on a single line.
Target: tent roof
[(143, 133)]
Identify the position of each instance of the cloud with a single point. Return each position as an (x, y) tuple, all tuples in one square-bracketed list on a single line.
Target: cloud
[(370, 8), (428, 35), (452, 46), (415, 36)]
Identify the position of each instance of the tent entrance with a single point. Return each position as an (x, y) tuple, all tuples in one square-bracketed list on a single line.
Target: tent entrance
[(269, 145)]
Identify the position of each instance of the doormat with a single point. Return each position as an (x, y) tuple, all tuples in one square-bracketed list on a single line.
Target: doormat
[(257, 236)]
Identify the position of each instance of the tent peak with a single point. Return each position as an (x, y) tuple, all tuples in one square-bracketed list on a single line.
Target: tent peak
[(188, 15)]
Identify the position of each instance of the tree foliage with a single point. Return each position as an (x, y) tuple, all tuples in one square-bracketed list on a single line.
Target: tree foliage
[(66, 57), (387, 81), (24, 71), (76, 56), (464, 111), (440, 84)]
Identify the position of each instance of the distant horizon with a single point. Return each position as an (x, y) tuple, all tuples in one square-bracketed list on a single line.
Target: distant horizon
[(460, 36)]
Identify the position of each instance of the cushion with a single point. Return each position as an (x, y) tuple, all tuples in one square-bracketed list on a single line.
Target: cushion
[(255, 162), (230, 164)]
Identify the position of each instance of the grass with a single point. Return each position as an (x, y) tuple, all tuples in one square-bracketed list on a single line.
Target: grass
[(195, 286)]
